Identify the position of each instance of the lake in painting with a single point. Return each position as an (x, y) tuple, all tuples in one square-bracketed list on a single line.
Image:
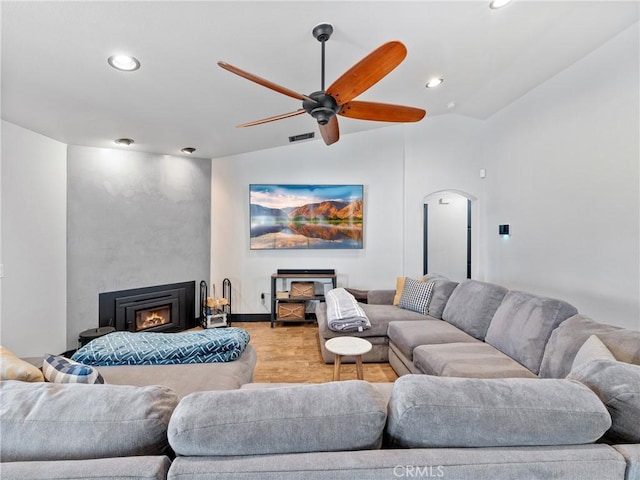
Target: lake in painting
[(306, 216)]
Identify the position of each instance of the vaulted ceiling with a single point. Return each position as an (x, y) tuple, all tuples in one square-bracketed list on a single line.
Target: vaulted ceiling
[(56, 80)]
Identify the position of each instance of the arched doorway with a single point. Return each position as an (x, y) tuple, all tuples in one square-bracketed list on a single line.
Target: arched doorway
[(448, 236)]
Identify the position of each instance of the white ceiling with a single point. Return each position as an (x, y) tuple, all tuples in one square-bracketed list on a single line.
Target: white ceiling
[(56, 80)]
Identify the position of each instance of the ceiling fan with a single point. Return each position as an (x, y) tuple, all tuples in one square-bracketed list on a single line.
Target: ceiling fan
[(324, 105)]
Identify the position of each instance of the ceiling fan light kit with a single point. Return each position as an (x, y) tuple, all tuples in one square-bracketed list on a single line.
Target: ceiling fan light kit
[(434, 82), (124, 63), (495, 4), (325, 105)]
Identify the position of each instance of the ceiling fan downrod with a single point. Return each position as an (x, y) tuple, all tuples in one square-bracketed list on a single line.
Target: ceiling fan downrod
[(322, 32), (325, 107)]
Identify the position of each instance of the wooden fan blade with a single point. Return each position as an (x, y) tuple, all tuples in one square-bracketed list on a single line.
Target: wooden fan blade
[(367, 72), (265, 83), (272, 119), (331, 131), (381, 112)]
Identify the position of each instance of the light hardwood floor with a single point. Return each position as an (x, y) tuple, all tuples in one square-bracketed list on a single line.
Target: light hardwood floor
[(290, 352)]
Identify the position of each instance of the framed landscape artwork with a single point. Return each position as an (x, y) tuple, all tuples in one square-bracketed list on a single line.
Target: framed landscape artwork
[(306, 216)]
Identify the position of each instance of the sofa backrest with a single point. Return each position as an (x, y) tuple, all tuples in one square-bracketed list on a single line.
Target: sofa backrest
[(442, 290), (326, 417), (54, 421), (472, 305), (429, 411), (523, 323), (567, 339)]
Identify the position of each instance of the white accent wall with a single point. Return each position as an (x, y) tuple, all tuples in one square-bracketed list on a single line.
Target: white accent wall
[(373, 159), (562, 169), (33, 217)]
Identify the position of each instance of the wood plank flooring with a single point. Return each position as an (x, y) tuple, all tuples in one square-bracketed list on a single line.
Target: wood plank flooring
[(290, 352)]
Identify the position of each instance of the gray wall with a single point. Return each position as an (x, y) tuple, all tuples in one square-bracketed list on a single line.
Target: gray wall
[(133, 220)]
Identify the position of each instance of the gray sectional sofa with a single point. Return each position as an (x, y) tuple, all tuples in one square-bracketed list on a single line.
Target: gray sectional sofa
[(419, 426), (501, 385)]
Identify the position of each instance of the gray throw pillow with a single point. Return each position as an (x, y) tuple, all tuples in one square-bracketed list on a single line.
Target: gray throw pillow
[(523, 324), (617, 384), (325, 417), (427, 411), (472, 306)]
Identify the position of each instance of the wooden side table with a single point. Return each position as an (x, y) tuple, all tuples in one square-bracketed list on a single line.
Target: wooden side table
[(351, 346)]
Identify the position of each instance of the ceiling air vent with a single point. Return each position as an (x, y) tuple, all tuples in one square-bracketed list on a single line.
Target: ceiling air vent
[(302, 136)]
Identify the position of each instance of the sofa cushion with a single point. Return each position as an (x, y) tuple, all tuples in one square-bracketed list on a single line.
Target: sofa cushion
[(407, 335), (14, 368), (427, 411), (472, 305), (307, 418), (58, 369), (442, 290), (523, 324), (617, 384), (568, 462), (416, 296), (474, 360), (567, 339), (74, 421)]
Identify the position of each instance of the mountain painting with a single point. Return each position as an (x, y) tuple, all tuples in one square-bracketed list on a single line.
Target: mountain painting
[(306, 216)]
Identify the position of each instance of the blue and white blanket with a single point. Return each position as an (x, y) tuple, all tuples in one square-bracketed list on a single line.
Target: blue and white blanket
[(149, 348), (343, 312)]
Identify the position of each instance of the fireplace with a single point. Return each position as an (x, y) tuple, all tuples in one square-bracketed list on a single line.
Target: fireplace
[(153, 317), (161, 308)]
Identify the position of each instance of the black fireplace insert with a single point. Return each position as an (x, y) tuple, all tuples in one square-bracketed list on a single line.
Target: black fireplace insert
[(160, 308)]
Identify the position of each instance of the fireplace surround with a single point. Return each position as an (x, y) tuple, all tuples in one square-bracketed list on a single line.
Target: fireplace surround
[(159, 308)]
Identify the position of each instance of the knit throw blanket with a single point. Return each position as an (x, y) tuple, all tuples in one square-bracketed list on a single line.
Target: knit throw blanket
[(343, 312), (150, 348)]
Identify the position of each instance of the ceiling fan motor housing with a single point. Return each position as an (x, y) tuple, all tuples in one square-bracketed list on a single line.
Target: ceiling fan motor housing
[(324, 108)]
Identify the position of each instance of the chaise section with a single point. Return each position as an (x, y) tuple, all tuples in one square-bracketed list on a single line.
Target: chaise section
[(184, 379), (380, 316), (472, 360)]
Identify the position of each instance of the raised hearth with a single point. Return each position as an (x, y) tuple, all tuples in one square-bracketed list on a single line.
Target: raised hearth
[(160, 308)]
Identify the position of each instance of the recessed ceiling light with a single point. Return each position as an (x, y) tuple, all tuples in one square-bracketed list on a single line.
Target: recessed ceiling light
[(124, 141), (434, 82), (188, 150), (451, 105), (124, 63), (495, 4)]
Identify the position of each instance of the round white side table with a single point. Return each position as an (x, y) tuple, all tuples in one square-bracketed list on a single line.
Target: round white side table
[(351, 346)]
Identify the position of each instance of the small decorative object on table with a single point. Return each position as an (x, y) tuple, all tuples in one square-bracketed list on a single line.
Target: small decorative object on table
[(216, 317)]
